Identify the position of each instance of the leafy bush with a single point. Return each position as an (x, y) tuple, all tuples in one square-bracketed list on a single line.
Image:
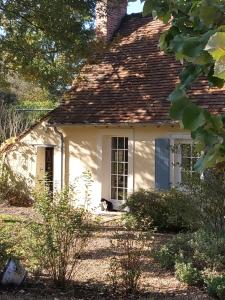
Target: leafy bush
[(59, 240), (170, 211), (177, 247), (126, 266), (187, 273), (208, 195), (204, 249), (216, 286)]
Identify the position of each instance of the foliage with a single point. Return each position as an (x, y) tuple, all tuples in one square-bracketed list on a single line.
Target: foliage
[(186, 273), (203, 248), (170, 210), (11, 239), (45, 41), (14, 122), (196, 38), (208, 196), (14, 189), (60, 239), (216, 285), (173, 250), (126, 266)]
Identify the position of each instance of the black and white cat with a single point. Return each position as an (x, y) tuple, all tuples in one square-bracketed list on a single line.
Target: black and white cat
[(107, 205)]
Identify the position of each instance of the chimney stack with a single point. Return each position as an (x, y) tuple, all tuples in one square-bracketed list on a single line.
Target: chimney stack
[(109, 14)]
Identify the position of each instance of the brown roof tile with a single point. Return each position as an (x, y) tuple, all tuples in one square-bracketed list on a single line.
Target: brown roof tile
[(130, 82)]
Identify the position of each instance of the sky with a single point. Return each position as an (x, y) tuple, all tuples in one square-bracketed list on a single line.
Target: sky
[(135, 7)]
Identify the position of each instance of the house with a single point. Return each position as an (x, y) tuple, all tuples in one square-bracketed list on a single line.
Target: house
[(114, 122)]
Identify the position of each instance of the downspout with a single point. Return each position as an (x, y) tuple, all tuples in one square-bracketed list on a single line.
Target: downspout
[(62, 154)]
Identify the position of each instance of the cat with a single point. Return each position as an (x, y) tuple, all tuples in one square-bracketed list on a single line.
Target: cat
[(107, 205)]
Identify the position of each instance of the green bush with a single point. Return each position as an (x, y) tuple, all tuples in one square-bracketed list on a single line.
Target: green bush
[(203, 248), (57, 243), (187, 273), (167, 211), (208, 196), (216, 286), (177, 247)]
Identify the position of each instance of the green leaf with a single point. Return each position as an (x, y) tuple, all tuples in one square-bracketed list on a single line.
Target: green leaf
[(208, 13), (189, 75), (177, 108), (177, 94), (193, 117), (220, 67), (216, 45)]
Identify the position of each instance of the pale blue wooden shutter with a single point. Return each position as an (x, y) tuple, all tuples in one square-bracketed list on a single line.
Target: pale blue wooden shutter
[(162, 164)]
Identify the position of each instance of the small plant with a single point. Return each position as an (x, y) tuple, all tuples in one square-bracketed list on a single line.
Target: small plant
[(216, 286), (61, 237), (126, 266), (187, 273), (167, 254)]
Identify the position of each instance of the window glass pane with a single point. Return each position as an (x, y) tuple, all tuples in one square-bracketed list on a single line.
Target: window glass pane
[(114, 143), (114, 168), (185, 176), (186, 163), (126, 156), (114, 155), (121, 181), (126, 143), (125, 194), (120, 194), (126, 181), (195, 152), (186, 150), (120, 155), (114, 181), (121, 168), (114, 194), (121, 143), (126, 169)]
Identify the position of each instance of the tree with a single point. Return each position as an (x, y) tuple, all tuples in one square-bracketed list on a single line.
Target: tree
[(45, 41), (196, 37)]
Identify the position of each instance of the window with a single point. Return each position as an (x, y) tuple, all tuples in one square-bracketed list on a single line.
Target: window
[(186, 156), (119, 168)]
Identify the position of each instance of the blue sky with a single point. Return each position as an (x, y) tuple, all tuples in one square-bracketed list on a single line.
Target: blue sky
[(135, 7)]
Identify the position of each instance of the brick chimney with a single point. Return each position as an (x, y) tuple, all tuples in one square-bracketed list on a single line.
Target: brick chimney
[(109, 14)]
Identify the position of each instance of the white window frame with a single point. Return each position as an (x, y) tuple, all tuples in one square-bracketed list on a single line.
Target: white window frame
[(177, 162), (124, 188)]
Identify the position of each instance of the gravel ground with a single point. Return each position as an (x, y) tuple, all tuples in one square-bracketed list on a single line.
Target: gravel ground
[(91, 278)]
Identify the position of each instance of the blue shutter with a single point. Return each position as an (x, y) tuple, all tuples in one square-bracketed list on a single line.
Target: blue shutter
[(162, 164)]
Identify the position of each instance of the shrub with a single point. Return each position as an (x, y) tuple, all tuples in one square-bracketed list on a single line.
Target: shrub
[(216, 286), (177, 247), (126, 266), (204, 249), (187, 273), (60, 239), (167, 211), (11, 239), (208, 195)]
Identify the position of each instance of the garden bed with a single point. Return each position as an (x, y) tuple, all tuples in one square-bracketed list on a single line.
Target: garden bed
[(91, 280)]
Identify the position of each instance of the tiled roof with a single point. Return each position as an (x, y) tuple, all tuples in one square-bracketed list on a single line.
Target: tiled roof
[(130, 82)]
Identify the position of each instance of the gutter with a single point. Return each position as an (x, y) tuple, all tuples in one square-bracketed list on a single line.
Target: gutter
[(62, 154)]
